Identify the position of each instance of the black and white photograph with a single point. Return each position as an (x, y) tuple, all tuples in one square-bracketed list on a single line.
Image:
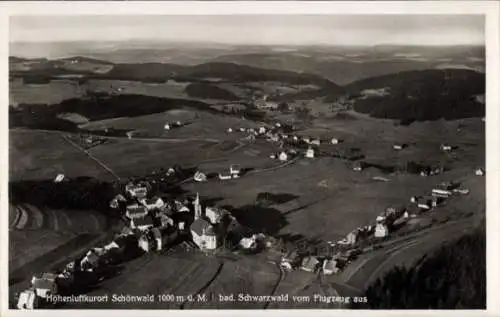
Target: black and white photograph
[(247, 161)]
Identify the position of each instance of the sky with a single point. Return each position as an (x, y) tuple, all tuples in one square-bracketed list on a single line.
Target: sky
[(256, 29)]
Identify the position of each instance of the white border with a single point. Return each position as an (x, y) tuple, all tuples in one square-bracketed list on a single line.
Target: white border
[(488, 8)]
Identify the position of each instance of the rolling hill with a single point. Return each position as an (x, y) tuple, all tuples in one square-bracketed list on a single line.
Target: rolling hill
[(420, 95)]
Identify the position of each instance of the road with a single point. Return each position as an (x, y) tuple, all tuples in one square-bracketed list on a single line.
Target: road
[(86, 152), (402, 250)]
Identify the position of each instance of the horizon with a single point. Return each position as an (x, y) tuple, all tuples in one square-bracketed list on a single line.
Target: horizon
[(254, 30)]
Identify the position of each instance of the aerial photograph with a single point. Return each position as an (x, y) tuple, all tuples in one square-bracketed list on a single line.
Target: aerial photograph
[(247, 162)]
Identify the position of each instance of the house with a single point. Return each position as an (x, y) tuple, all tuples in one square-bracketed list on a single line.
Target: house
[(234, 170), (180, 207), (242, 129), (143, 223), (213, 214), (136, 211), (272, 156), (381, 230), (200, 177), (315, 142), (262, 130), (399, 147), (248, 243), (442, 192), (290, 260), (224, 177), (306, 140), (283, 156), (352, 237), (424, 203), (309, 153), (59, 178), (44, 286), (330, 267), (90, 262), (277, 125), (310, 264), (138, 192), (114, 204), (28, 300), (166, 127), (203, 234), (335, 141), (414, 199), (153, 203), (480, 172), (229, 130), (357, 166), (446, 147)]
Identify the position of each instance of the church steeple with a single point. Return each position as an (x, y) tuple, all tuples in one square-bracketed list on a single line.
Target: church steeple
[(197, 207)]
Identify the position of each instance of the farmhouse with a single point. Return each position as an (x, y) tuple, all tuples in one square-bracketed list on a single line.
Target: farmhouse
[(399, 146), (335, 141), (136, 211), (234, 170), (424, 203), (200, 177), (446, 147), (441, 191), (330, 267), (28, 300), (224, 177), (316, 142), (352, 237), (310, 264), (283, 156), (143, 223), (480, 172), (248, 243), (309, 153), (381, 230), (59, 178), (357, 166)]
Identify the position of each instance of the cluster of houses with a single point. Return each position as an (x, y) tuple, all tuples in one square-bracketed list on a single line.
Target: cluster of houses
[(326, 265), (385, 223), (233, 173)]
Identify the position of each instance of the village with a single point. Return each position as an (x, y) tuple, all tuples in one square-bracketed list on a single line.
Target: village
[(155, 221)]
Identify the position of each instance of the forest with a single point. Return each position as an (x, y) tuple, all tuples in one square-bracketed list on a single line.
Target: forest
[(454, 277)]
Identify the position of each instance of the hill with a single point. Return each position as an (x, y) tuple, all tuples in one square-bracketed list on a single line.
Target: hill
[(97, 108), (42, 71), (208, 91), (344, 65), (420, 95)]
